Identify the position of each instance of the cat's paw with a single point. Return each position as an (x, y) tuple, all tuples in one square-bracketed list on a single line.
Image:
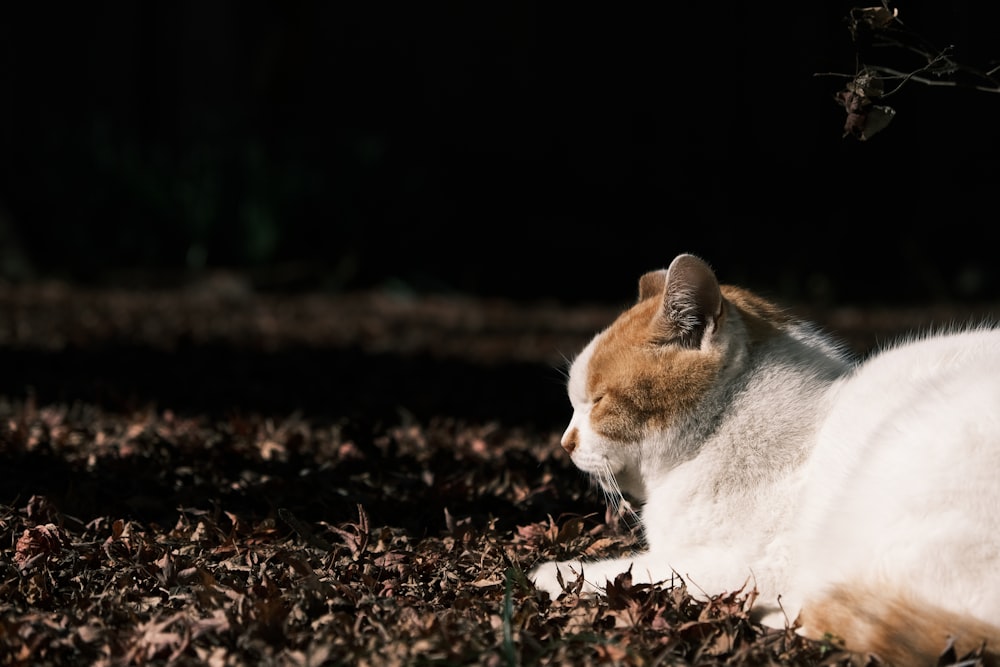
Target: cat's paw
[(546, 576)]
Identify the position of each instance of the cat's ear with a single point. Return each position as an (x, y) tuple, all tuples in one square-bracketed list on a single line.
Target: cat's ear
[(651, 284), (692, 300)]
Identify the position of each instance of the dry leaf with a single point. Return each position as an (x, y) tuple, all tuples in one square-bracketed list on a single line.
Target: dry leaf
[(37, 543)]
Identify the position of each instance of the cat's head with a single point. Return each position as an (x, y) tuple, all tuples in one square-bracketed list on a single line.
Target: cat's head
[(635, 385)]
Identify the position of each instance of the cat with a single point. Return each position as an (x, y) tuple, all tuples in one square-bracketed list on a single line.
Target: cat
[(861, 499)]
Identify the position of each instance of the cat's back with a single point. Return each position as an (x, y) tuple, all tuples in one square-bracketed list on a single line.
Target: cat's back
[(936, 394), (930, 357), (932, 381)]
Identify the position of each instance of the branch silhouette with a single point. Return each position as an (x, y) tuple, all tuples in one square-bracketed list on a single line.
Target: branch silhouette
[(863, 95)]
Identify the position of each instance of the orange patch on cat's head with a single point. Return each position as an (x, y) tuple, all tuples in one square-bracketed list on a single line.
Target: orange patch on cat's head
[(659, 358), (636, 381)]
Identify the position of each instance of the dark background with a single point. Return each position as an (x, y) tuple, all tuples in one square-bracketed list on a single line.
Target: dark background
[(525, 150)]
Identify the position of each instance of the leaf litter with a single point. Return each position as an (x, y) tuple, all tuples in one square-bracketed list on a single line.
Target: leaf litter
[(303, 543)]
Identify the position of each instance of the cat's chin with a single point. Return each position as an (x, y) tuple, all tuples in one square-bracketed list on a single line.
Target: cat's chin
[(601, 465), (613, 466)]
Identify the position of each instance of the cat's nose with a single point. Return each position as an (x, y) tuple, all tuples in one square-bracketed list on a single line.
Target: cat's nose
[(570, 440)]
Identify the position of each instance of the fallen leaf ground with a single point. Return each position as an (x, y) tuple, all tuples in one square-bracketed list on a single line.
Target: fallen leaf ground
[(207, 475)]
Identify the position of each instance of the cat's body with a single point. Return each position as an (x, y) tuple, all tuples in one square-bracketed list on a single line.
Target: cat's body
[(866, 496)]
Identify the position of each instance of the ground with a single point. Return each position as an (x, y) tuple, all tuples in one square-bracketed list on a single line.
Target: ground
[(206, 474)]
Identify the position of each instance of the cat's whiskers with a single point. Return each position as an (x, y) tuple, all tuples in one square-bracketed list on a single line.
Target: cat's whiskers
[(614, 497)]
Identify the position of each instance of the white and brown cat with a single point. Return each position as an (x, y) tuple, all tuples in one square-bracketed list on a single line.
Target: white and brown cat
[(864, 498)]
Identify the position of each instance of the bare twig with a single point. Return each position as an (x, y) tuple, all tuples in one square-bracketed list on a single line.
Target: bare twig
[(867, 85), (915, 76)]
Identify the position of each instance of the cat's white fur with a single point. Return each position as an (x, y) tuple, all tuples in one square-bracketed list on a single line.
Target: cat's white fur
[(864, 495)]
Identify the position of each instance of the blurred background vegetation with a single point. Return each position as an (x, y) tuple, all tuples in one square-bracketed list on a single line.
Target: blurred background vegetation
[(519, 149)]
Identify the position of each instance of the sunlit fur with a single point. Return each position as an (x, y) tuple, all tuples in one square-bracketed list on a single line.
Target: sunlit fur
[(862, 494)]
